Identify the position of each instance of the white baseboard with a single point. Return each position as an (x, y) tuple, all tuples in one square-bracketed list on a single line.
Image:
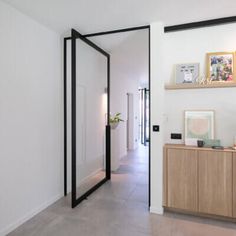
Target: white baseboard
[(157, 210), (9, 228)]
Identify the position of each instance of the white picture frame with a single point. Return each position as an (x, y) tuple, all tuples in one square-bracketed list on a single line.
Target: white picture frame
[(198, 125), (187, 73)]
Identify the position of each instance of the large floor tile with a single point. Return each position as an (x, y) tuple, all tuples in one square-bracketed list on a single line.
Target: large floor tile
[(120, 208)]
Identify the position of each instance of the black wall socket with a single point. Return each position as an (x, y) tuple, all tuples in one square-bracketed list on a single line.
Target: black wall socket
[(176, 136)]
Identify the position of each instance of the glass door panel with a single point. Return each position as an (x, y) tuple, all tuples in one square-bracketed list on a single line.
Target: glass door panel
[(90, 119)]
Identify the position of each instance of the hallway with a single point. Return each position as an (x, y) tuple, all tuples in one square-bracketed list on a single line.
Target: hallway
[(120, 208)]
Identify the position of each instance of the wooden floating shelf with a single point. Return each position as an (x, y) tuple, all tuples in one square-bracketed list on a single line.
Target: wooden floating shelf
[(199, 86)]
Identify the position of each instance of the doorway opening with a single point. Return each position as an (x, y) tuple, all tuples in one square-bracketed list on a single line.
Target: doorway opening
[(131, 136)]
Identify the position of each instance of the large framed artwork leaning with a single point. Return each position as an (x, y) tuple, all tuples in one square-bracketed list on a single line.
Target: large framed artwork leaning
[(221, 66), (198, 125)]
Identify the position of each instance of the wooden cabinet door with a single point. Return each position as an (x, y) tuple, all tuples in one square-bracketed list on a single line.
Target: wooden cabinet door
[(182, 179), (215, 183), (234, 185)]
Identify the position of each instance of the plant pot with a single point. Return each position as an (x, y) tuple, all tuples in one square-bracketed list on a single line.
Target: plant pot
[(114, 125)]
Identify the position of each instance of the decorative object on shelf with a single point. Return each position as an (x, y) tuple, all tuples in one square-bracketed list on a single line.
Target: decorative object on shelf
[(199, 125), (211, 142), (114, 121), (186, 73), (200, 143), (221, 66), (235, 141), (234, 146), (218, 147), (201, 79)]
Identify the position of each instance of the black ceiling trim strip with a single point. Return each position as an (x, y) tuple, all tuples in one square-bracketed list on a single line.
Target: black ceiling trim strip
[(200, 24)]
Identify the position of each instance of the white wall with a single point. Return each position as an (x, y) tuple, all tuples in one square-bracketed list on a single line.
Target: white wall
[(168, 106), (31, 112), (192, 46), (157, 114), (129, 66)]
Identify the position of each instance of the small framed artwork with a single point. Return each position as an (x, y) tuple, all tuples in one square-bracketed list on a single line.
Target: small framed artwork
[(198, 125), (186, 73), (221, 66)]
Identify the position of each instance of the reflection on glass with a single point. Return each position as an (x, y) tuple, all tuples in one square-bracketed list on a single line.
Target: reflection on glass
[(144, 115), (91, 110)]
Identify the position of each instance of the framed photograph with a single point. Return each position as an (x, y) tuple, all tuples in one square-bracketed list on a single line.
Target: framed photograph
[(198, 125), (186, 73), (221, 66)]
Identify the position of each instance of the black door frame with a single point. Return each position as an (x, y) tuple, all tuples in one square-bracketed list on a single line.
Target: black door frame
[(84, 37)]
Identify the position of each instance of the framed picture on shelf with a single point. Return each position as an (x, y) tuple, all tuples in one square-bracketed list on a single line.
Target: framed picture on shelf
[(221, 66), (198, 125), (186, 73)]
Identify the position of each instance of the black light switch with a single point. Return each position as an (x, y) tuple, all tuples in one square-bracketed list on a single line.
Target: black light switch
[(155, 128), (175, 136)]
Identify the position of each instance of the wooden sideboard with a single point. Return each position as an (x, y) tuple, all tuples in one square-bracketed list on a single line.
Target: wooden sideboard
[(200, 180)]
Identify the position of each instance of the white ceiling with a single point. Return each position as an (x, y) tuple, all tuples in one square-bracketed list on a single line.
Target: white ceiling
[(129, 52), (110, 42), (89, 16), (130, 57)]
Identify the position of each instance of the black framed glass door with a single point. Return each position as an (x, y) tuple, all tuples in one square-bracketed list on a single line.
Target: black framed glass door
[(90, 130)]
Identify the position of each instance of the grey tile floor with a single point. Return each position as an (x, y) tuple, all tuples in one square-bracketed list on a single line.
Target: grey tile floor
[(119, 208)]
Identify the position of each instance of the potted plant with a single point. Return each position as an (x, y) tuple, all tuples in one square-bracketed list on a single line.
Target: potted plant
[(114, 121)]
